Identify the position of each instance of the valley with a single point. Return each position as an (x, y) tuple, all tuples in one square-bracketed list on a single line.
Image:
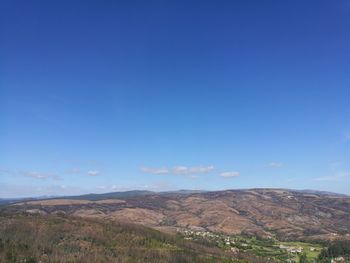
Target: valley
[(255, 225), (278, 213)]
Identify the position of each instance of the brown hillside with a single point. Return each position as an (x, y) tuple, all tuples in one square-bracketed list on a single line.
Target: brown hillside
[(266, 212)]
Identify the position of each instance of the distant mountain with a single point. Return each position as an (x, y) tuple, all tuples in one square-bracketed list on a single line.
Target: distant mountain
[(308, 191), (127, 194), (96, 197), (113, 195), (281, 213), (7, 201)]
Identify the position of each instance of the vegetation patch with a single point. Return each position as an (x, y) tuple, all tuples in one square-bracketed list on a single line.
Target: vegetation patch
[(46, 239)]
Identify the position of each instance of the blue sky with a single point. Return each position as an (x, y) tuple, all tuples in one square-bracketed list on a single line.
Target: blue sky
[(99, 96)]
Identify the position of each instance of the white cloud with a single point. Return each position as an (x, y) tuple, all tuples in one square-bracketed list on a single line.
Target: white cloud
[(179, 170), (230, 174), (93, 173), (41, 176), (150, 170), (183, 170), (156, 186), (275, 164)]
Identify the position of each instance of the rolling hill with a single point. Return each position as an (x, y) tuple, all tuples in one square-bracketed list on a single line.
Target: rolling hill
[(280, 213), (44, 239)]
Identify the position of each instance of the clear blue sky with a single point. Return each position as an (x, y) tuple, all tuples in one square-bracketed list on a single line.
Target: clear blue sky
[(99, 96)]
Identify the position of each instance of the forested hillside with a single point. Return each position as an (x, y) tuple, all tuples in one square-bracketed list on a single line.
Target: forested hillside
[(37, 238)]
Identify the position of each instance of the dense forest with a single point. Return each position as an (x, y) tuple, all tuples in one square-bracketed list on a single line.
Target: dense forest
[(336, 249)]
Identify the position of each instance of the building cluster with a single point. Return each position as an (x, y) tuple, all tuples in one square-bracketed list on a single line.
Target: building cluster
[(291, 249), (190, 235), (204, 234), (338, 259)]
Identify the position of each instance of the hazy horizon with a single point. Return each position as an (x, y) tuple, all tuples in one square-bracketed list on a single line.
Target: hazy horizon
[(102, 97), (159, 192)]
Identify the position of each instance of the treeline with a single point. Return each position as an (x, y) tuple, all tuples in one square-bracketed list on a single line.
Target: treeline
[(55, 239), (336, 249)]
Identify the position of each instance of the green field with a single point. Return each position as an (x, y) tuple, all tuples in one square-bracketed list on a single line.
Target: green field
[(268, 248), (307, 248)]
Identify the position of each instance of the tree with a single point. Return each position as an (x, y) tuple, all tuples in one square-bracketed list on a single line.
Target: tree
[(303, 258)]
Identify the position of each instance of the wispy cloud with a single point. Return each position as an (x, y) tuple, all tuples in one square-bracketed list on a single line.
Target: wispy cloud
[(93, 173), (41, 176), (73, 171), (33, 190), (179, 170), (335, 177), (229, 174), (29, 190), (275, 164), (335, 165), (347, 136), (6, 172), (289, 180)]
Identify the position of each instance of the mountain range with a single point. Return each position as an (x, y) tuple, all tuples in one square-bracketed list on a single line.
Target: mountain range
[(280, 213)]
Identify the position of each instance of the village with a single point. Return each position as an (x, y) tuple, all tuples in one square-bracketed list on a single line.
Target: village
[(270, 247)]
